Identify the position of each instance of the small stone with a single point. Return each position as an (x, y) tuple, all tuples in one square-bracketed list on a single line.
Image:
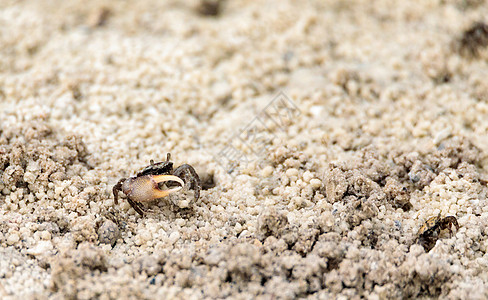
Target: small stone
[(42, 247), (316, 110), (174, 236), (30, 177), (108, 233), (307, 176), (145, 236), (46, 235), (291, 172), (13, 238), (316, 183), (213, 257), (183, 204), (267, 171)]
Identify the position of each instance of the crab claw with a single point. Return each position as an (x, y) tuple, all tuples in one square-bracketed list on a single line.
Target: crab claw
[(164, 178), (146, 188)]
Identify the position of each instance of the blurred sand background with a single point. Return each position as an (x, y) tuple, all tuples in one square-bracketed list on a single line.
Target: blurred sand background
[(392, 129)]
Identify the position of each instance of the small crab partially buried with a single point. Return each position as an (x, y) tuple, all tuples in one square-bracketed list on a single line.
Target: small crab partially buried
[(146, 185), (428, 234)]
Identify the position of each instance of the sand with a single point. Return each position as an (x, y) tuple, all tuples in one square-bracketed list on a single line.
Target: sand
[(326, 133)]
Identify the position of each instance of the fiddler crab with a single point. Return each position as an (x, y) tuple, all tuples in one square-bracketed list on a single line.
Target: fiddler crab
[(428, 234), (146, 185)]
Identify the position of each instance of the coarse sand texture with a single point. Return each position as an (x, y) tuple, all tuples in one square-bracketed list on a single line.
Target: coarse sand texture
[(341, 147)]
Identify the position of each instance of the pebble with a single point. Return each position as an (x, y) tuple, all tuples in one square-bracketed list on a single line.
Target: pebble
[(174, 236), (13, 238), (183, 204), (267, 171), (42, 247), (291, 172), (108, 233), (46, 235), (316, 183), (307, 176)]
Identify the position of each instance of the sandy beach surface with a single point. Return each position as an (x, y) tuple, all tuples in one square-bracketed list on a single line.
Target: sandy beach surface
[(325, 135)]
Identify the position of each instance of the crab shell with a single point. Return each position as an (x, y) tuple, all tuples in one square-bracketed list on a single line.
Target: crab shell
[(145, 188), (431, 222)]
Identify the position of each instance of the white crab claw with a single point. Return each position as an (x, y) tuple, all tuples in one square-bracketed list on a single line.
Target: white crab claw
[(165, 178), (146, 188)]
